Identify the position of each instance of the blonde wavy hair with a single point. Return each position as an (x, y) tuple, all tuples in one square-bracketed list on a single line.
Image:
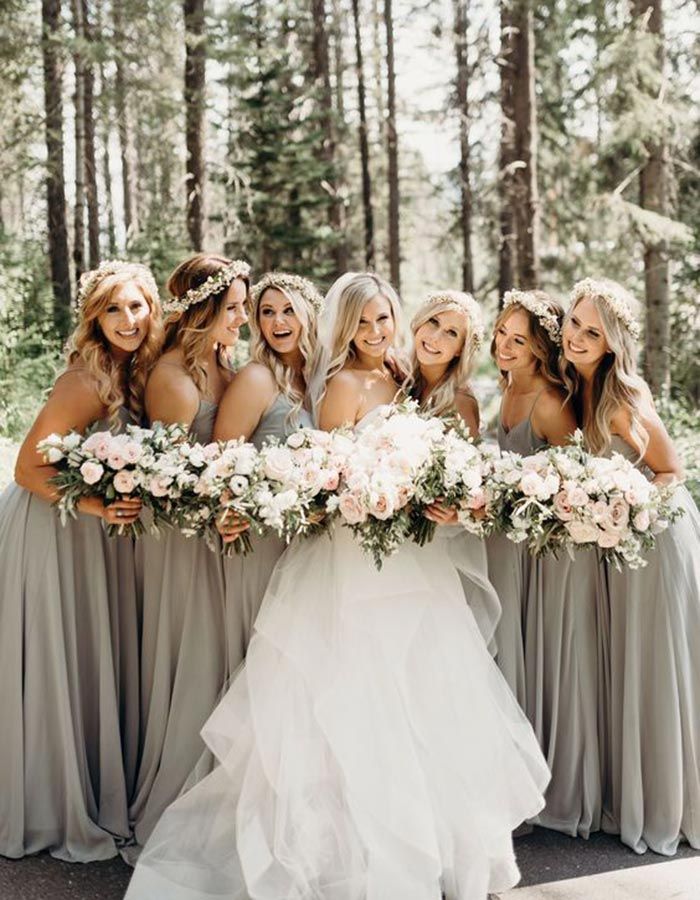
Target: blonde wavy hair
[(344, 304), (261, 352), (543, 348), (441, 398), (616, 382), (118, 384), (190, 330)]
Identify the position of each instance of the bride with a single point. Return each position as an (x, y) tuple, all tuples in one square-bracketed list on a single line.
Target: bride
[(369, 748)]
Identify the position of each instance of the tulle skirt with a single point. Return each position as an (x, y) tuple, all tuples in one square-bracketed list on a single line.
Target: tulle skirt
[(369, 748)]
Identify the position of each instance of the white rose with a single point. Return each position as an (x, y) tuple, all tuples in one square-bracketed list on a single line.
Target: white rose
[(72, 440), (642, 520), (91, 472), (531, 484), (53, 454), (582, 532), (296, 440)]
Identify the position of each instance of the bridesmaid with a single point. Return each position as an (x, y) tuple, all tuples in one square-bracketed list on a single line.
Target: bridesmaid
[(266, 400), (183, 660), (68, 636), (547, 636), (447, 333), (652, 624)]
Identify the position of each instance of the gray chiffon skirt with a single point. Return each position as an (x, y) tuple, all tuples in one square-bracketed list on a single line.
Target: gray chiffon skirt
[(183, 667), (508, 566), (651, 650), (65, 687), (562, 638)]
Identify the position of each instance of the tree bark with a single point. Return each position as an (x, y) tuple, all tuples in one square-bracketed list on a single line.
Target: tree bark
[(195, 73), (653, 195), (364, 142), (90, 154), (527, 213), (121, 107), (507, 249), (55, 187), (79, 124), (327, 151), (462, 92), (392, 151)]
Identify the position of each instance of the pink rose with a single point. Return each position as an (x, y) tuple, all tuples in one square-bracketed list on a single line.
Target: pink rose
[(158, 486), (582, 532), (619, 514), (562, 506), (124, 482), (642, 520), (332, 481), (91, 472), (132, 452), (352, 508), (380, 507), (477, 500), (115, 460), (608, 538)]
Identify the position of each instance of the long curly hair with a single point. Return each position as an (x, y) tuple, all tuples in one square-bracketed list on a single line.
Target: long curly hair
[(190, 330), (543, 348), (441, 398), (261, 352), (118, 384), (616, 382)]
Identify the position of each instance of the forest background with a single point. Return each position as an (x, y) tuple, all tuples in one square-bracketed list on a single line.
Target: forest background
[(453, 143)]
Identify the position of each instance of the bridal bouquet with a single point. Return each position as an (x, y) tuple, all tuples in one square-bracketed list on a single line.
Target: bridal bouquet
[(564, 498), (390, 456), (134, 463), (300, 478), (457, 475)]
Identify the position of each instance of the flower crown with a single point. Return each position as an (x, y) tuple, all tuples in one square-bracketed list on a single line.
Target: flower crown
[(284, 281), (613, 297), (467, 305), (539, 309), (90, 280), (213, 284)]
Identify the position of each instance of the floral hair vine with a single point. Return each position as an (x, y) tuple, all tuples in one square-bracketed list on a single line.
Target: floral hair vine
[(282, 281), (213, 284), (466, 304), (613, 297), (90, 280), (529, 301)]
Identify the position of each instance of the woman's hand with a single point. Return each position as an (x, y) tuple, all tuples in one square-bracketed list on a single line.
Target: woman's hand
[(440, 514), (231, 525), (124, 511)]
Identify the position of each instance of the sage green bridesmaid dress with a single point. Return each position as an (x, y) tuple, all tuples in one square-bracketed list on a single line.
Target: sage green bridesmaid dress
[(651, 650), (183, 658), (68, 680)]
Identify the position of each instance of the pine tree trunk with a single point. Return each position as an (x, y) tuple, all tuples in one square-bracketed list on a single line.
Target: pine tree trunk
[(364, 142), (121, 107), (462, 85), (338, 61), (327, 150), (507, 249), (90, 154), (653, 195), (106, 163), (524, 107), (79, 124), (195, 73), (55, 193), (392, 152)]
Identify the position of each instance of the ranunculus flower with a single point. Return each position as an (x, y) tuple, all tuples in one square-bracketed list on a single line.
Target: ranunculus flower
[(91, 471)]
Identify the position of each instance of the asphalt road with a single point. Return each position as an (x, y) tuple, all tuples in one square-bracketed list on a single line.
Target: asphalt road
[(544, 856)]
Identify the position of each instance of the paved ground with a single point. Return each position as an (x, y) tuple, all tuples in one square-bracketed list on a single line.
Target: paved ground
[(544, 857)]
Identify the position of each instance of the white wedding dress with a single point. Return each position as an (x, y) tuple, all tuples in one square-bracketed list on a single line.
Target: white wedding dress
[(369, 749)]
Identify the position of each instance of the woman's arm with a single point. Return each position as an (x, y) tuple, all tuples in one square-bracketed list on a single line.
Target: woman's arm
[(660, 454), (73, 405), (467, 407), (553, 419), (341, 402), (244, 403), (171, 396)]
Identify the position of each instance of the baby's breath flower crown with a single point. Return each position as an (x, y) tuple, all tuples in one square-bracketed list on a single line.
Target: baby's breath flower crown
[(467, 305), (90, 280), (213, 285), (284, 281), (613, 297), (529, 301)]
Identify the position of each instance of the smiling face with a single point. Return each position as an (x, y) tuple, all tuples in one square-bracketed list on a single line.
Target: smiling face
[(440, 339), (583, 338), (376, 329), (126, 318), (232, 314), (512, 350), (278, 322)]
